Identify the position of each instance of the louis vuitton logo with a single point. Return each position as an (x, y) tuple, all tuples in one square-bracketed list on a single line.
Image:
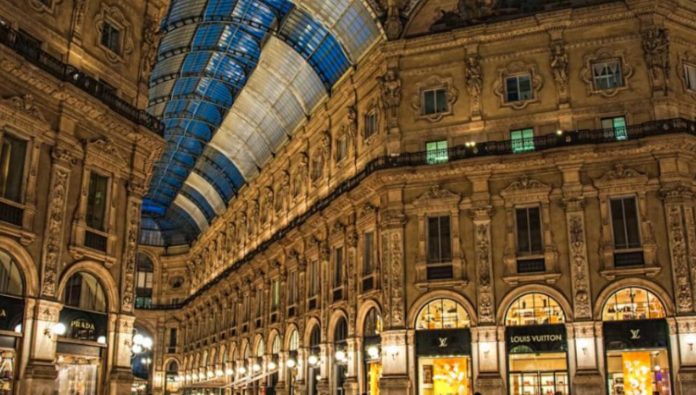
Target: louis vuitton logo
[(443, 342), (635, 334)]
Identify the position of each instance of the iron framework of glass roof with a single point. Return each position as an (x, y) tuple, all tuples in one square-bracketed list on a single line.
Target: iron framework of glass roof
[(233, 80)]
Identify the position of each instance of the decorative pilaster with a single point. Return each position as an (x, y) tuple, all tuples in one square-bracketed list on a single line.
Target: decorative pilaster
[(484, 292), (135, 193), (393, 270), (674, 200), (121, 375), (577, 247), (55, 223)]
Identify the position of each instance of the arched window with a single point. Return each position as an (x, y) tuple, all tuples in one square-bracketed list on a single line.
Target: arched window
[(143, 287), (172, 368), (275, 347), (373, 323), (341, 331), (11, 282), (534, 309), (632, 304), (294, 344), (442, 314), (315, 339), (83, 291)]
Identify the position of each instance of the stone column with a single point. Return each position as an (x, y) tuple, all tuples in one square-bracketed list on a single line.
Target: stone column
[(678, 202), (40, 373), (121, 375), (395, 377), (323, 385), (351, 384), (686, 349)]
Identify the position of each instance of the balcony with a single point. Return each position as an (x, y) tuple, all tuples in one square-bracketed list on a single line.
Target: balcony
[(32, 52)]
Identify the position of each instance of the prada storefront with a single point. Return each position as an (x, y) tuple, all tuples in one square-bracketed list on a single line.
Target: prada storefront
[(11, 316), (82, 342), (536, 344), (443, 349), (636, 342)]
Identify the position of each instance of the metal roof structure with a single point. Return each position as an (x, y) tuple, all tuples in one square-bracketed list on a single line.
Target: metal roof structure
[(232, 82)]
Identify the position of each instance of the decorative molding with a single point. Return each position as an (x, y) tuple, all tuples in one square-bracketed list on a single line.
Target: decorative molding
[(484, 276), (54, 228), (580, 272), (517, 68), (434, 82), (437, 196), (473, 74), (605, 54), (559, 68), (41, 6), (390, 95), (24, 104), (116, 17), (678, 252), (655, 43)]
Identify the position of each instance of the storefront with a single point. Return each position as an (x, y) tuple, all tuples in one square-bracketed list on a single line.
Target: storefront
[(636, 342), (313, 361), (443, 349), (171, 379), (372, 354), (292, 363), (82, 343), (340, 367), (536, 345), (272, 367), (11, 318)]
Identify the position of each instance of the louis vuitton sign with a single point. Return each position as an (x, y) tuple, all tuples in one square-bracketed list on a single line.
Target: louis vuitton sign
[(443, 342), (535, 338)]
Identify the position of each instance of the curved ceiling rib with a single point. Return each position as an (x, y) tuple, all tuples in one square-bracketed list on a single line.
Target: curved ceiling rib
[(233, 80)]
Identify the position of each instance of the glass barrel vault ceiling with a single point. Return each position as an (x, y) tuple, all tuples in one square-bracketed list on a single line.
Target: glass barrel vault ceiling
[(233, 79)]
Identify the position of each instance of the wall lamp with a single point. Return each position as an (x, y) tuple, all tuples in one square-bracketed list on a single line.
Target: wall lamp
[(57, 329)]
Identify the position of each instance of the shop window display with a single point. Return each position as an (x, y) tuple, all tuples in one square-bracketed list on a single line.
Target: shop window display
[(443, 346), (372, 355), (636, 338), (77, 376), (536, 343), (7, 363)]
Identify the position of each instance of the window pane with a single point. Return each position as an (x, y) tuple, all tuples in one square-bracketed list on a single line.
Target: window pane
[(11, 282), (617, 220), (441, 100), (436, 152), (96, 201), (631, 218), (690, 76), (445, 240), (535, 230), (433, 237), (428, 102), (512, 92), (12, 158), (523, 246), (525, 87), (522, 140), (619, 124), (368, 252)]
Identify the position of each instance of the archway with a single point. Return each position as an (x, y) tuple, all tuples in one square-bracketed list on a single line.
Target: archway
[(443, 347), (12, 296), (536, 345), (636, 342)]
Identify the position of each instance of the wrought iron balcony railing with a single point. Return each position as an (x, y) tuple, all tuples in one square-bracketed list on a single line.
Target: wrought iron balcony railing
[(483, 149), (30, 50)]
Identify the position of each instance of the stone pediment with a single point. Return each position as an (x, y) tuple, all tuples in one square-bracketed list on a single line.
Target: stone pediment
[(24, 104), (436, 194), (620, 174), (526, 190)]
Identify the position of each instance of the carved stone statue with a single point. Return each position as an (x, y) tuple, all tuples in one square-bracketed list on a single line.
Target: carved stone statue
[(476, 9), (656, 51), (559, 63), (474, 82), (390, 89)]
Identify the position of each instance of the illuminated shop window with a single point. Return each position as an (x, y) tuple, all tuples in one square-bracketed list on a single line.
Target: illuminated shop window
[(616, 126), (436, 152), (633, 304), (534, 309), (522, 140), (442, 314)]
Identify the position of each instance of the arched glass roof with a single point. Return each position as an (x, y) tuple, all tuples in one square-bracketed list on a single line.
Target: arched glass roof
[(233, 80)]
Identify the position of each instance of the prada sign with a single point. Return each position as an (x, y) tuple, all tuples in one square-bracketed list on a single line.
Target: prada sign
[(535, 339), (624, 335), (83, 325), (443, 342)]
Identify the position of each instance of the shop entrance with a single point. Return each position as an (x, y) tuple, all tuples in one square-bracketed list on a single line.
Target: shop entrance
[(536, 345), (11, 318), (636, 340), (372, 355), (443, 349)]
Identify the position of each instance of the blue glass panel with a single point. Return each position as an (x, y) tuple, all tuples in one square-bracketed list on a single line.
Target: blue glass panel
[(195, 62), (200, 201)]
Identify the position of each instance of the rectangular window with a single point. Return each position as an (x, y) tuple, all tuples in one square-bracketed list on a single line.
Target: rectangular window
[(436, 152), (522, 140), (275, 294), (172, 338), (13, 153), (607, 75), (439, 240), (616, 126), (690, 76), (518, 88), (435, 101), (313, 270), (96, 201), (528, 231), (144, 280), (368, 253), (111, 37), (624, 220), (259, 304), (370, 124), (292, 288), (338, 267)]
